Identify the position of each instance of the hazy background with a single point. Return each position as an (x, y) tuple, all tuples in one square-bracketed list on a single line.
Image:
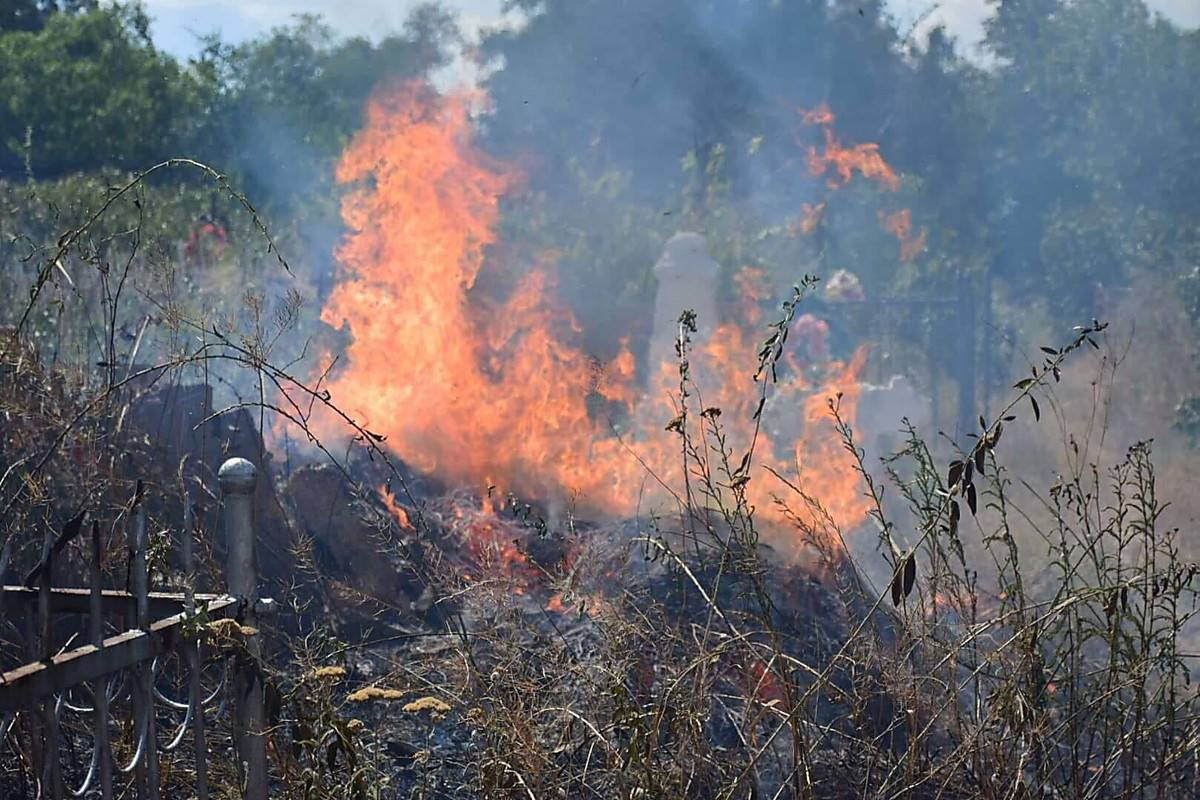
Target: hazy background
[(176, 22), (1042, 159)]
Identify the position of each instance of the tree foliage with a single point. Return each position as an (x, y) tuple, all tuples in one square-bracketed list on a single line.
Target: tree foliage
[(1052, 172), (284, 106), (90, 90), (31, 15)]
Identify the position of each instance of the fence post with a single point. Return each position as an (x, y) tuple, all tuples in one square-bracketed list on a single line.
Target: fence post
[(192, 650), (238, 478), (147, 775), (52, 785), (96, 632)]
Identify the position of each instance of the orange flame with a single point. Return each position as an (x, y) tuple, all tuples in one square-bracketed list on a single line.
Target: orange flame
[(900, 226), (810, 218), (479, 389), (762, 685), (844, 161), (394, 508), (821, 115)]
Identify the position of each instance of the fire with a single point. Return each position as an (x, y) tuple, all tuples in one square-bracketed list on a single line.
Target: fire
[(394, 508), (810, 219), (900, 225), (493, 391), (594, 605), (838, 490), (761, 684), (844, 161), (821, 115)]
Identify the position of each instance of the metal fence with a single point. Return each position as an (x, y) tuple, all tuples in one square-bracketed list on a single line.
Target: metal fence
[(127, 668)]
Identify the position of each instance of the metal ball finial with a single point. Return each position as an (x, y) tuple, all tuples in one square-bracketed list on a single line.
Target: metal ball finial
[(237, 476)]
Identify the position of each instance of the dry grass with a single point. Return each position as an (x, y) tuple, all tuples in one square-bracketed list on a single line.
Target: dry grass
[(706, 669)]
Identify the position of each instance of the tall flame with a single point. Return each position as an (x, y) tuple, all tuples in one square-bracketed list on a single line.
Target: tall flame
[(483, 390)]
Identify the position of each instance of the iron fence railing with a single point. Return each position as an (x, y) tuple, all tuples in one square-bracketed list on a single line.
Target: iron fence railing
[(128, 666)]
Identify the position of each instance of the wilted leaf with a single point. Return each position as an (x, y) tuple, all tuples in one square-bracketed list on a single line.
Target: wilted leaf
[(1037, 412), (910, 573), (1110, 608), (994, 438), (971, 500)]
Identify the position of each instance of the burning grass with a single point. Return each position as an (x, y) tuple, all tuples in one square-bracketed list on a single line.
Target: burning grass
[(496, 390), (679, 656), (695, 663), (552, 651)]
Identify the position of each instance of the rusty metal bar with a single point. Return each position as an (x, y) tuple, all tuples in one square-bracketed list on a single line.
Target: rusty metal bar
[(192, 650), (100, 700), (28, 702), (38, 678), (37, 683), (114, 601), (44, 634), (238, 478), (136, 581), (103, 754), (51, 774), (144, 688)]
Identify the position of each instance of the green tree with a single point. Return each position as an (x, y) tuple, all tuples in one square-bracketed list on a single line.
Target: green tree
[(284, 106), (1093, 124), (90, 90), (635, 119), (637, 86), (31, 15)]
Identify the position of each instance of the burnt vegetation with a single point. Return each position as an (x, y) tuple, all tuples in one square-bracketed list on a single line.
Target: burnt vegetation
[(1011, 615)]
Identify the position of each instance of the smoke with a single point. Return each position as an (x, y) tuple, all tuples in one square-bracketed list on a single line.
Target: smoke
[(1129, 391), (629, 122)]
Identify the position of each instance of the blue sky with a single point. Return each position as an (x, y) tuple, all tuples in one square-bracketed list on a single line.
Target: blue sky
[(177, 21)]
